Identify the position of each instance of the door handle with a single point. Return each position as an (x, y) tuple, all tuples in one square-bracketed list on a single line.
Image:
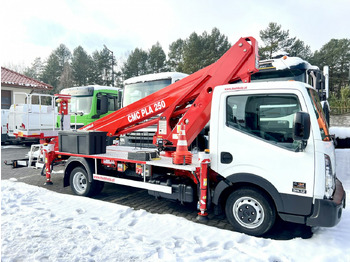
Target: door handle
[(226, 157)]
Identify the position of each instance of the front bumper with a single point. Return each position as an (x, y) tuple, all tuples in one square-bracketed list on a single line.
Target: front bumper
[(327, 212)]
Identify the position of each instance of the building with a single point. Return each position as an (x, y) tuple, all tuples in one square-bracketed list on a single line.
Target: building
[(12, 81)]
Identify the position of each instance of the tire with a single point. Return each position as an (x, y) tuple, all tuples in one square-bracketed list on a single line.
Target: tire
[(250, 211), (79, 182)]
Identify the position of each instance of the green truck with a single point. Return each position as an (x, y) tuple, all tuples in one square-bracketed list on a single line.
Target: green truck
[(89, 103)]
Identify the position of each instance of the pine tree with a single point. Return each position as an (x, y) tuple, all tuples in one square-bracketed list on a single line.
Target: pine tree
[(136, 64), (275, 39), (215, 45), (54, 67), (200, 51), (81, 66), (35, 70), (105, 64), (66, 78), (335, 54), (193, 54), (299, 49), (98, 68), (156, 59), (52, 71), (176, 53), (63, 54)]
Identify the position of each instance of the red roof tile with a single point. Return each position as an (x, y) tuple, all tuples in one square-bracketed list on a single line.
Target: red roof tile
[(14, 79)]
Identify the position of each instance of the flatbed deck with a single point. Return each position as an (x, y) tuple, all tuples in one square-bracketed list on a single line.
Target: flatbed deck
[(120, 153)]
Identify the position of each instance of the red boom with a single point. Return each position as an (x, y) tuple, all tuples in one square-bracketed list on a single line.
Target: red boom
[(187, 101)]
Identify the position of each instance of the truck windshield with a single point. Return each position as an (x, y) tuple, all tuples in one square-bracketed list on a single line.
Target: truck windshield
[(321, 119), (279, 75), (136, 91), (80, 104)]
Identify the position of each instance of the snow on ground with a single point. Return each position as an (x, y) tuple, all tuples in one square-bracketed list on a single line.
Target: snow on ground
[(340, 132), (41, 225)]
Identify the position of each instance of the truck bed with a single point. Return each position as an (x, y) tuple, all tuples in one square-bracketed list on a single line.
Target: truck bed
[(120, 153)]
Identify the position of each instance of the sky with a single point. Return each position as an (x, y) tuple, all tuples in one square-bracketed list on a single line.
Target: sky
[(35, 28)]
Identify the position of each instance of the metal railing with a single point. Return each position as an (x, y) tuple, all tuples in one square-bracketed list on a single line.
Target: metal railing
[(340, 110), (28, 115)]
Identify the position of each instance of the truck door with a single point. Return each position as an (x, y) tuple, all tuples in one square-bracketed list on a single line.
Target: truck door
[(254, 136)]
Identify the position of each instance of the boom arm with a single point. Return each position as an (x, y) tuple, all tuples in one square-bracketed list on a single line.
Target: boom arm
[(187, 101)]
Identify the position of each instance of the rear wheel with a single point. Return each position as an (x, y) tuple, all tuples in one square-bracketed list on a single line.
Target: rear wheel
[(79, 182), (250, 211)]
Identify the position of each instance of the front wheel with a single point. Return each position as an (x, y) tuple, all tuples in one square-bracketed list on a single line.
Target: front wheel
[(250, 211)]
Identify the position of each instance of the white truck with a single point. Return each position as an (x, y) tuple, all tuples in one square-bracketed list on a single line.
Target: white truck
[(283, 68), (139, 87), (4, 117), (270, 153), (35, 117)]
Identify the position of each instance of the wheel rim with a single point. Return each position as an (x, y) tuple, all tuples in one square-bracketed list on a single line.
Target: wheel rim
[(79, 182), (248, 212)]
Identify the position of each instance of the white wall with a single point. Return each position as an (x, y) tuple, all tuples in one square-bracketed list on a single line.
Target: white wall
[(19, 99)]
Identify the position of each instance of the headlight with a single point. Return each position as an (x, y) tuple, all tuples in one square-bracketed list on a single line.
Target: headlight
[(329, 178)]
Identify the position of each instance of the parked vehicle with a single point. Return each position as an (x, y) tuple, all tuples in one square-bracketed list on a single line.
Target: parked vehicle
[(28, 122), (294, 68), (4, 117), (269, 155), (139, 87), (89, 103), (281, 68)]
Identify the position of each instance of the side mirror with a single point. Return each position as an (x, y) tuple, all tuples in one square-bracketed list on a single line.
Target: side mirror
[(301, 128)]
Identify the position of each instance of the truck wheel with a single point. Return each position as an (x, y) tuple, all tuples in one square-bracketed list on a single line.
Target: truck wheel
[(250, 211), (79, 182)]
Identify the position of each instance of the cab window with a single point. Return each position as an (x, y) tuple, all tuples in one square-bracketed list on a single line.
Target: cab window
[(268, 117), (112, 103), (321, 119)]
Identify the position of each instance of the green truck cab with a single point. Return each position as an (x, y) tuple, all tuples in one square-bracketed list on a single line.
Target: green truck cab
[(89, 103)]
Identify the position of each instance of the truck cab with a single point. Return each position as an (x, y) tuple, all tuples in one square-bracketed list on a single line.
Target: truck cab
[(89, 103), (138, 87), (273, 138), (283, 68)]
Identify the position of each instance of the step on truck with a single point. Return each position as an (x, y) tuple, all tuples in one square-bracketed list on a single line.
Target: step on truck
[(269, 155)]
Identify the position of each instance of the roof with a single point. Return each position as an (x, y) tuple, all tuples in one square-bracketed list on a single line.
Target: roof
[(152, 77), (14, 79), (286, 62), (87, 90)]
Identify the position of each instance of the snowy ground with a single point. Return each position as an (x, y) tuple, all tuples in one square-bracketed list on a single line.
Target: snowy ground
[(41, 225), (340, 132)]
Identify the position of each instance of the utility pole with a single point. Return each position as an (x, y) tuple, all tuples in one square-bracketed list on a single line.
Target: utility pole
[(112, 64)]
